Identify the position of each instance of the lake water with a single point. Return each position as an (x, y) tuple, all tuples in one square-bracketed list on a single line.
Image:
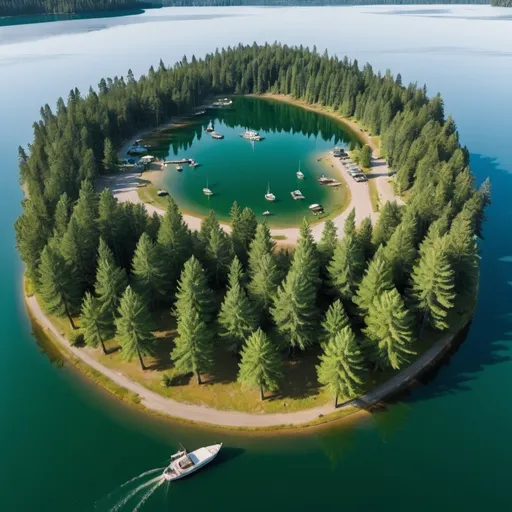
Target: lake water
[(65, 445), (235, 168)]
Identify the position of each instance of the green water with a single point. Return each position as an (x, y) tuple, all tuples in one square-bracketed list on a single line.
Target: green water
[(66, 446), (236, 169)]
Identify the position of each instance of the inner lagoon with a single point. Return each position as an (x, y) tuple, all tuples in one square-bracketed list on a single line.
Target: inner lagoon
[(237, 169)]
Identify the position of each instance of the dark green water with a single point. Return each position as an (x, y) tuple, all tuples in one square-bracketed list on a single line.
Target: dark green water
[(238, 169), (64, 445)]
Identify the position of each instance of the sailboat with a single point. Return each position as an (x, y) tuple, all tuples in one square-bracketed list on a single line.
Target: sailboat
[(299, 173), (269, 196), (207, 191)]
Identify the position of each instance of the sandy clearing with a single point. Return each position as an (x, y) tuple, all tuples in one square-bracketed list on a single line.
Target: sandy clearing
[(124, 186)]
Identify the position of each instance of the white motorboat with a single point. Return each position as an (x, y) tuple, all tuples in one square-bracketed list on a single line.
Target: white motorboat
[(297, 194), (179, 168), (269, 196), (193, 163), (210, 127), (183, 463), (266, 212)]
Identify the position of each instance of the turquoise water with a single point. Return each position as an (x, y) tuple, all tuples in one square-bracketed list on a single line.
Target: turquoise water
[(65, 445), (236, 169)]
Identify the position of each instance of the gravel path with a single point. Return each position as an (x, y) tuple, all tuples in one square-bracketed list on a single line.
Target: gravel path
[(202, 414)]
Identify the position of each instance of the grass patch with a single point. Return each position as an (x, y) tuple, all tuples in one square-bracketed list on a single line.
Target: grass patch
[(374, 195), (279, 237)]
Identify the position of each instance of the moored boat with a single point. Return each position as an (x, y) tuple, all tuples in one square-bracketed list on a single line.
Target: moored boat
[(216, 135), (323, 180), (297, 194), (137, 150), (299, 173), (179, 168), (269, 196), (210, 127), (251, 135), (183, 463), (207, 191), (266, 212)]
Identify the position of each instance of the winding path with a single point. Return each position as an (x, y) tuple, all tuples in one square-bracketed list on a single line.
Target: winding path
[(197, 413)]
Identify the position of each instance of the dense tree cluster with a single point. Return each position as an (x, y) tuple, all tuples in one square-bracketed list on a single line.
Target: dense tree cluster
[(501, 3), (364, 295), (17, 7)]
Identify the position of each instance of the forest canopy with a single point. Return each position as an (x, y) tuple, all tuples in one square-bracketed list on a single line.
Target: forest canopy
[(365, 296), (19, 7)]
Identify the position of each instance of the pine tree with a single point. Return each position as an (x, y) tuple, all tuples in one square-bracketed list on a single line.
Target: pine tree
[(110, 220), (93, 322), (209, 223), (389, 219), (335, 320), (111, 282), (377, 279), (349, 227), (62, 214), (147, 270), (260, 366), (193, 351), (262, 245), (463, 256), (247, 230), (341, 366), (234, 220), (346, 267), (305, 258), (56, 285), (294, 312), (194, 308), (236, 318), (134, 327), (433, 284), (328, 242), (389, 331), (79, 243), (110, 160), (364, 236), (400, 252), (263, 284), (175, 242), (219, 254)]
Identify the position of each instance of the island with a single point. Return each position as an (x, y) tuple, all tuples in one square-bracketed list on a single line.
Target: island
[(225, 318)]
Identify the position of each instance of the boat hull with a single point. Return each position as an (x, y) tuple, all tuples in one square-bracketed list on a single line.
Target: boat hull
[(172, 475)]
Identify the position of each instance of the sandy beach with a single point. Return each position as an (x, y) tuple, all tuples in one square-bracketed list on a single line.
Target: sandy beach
[(125, 187)]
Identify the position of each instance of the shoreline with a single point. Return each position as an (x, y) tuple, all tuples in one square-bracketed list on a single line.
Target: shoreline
[(126, 186), (234, 420)]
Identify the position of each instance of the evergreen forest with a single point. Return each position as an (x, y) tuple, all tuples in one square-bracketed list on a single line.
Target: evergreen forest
[(364, 299), (19, 7)]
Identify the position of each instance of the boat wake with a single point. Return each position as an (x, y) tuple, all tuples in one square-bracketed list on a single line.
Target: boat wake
[(135, 492)]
